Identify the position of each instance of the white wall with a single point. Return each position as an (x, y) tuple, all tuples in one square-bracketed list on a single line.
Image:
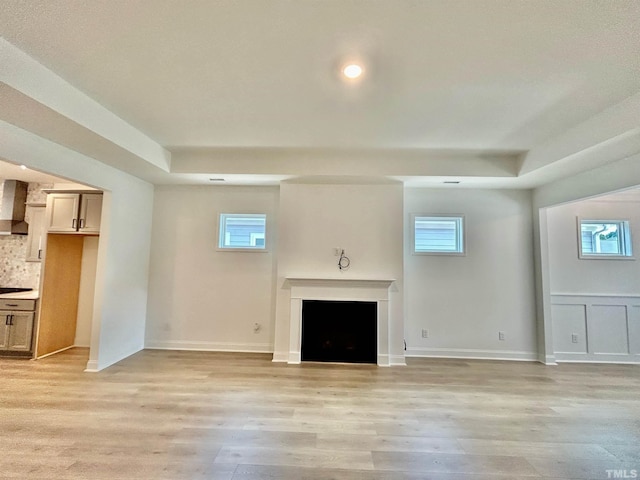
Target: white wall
[(595, 303), (612, 177), (199, 297), (464, 301), (364, 220), (86, 291), (569, 273), (120, 301)]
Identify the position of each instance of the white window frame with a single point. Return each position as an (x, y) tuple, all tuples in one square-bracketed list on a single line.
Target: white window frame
[(461, 233), (625, 241), (223, 235)]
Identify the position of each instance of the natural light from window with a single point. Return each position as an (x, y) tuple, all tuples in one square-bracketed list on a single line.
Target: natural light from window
[(604, 238), (242, 231), (438, 234)]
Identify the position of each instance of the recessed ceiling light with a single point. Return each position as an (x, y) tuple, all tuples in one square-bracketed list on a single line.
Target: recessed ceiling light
[(352, 70)]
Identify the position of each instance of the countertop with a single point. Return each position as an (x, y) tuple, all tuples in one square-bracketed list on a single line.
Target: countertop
[(32, 295)]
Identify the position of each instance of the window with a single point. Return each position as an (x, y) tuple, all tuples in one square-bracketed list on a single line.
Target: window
[(242, 231), (438, 234), (604, 238)]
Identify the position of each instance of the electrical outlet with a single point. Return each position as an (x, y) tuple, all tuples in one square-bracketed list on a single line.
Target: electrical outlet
[(425, 333), (336, 251), (574, 338), (501, 336), (257, 327)]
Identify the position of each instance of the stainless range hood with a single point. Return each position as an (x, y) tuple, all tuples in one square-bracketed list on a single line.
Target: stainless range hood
[(12, 207)]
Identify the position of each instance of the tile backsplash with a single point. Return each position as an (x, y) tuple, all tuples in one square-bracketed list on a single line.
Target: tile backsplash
[(14, 270)]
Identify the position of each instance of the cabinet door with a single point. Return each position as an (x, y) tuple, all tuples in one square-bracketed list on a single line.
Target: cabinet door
[(4, 330), (20, 332), (36, 234), (63, 216), (90, 213)]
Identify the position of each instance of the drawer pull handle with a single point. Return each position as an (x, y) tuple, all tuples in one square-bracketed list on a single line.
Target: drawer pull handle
[(12, 305)]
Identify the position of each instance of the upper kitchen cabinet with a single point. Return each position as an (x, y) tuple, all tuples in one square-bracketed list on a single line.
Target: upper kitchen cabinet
[(74, 213), (90, 213), (36, 233)]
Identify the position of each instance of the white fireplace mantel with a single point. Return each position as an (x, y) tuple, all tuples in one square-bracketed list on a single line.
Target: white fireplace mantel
[(339, 282), (348, 289)]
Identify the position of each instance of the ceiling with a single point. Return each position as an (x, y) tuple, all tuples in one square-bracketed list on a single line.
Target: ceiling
[(252, 76), (11, 171)]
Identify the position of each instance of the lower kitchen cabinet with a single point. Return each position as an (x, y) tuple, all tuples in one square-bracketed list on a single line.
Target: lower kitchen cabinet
[(16, 326)]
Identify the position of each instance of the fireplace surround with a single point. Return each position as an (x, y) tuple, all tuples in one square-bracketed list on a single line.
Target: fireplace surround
[(340, 289)]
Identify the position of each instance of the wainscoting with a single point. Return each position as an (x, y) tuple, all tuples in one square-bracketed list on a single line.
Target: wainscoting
[(596, 328)]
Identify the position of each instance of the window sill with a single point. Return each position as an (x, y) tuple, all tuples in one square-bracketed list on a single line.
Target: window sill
[(605, 257), (243, 250), (447, 254)]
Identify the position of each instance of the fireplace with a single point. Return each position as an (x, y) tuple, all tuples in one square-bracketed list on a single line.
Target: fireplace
[(339, 331), (374, 292)]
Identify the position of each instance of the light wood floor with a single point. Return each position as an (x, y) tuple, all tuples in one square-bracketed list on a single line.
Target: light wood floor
[(187, 415)]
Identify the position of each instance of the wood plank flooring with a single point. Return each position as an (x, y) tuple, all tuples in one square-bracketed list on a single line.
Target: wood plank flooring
[(223, 416)]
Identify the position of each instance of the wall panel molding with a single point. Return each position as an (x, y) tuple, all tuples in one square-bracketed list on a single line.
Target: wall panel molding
[(472, 354), (596, 328)]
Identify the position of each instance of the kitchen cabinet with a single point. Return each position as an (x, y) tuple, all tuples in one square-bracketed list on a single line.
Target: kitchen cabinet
[(90, 213), (36, 234), (74, 212), (16, 325)]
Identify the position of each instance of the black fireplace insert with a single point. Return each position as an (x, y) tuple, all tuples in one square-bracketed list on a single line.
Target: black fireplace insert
[(339, 331)]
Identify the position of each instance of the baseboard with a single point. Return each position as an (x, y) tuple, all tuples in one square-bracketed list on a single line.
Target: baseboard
[(92, 366), (547, 359), (397, 361), (53, 353), (280, 357), (210, 346), (597, 358), (472, 354)]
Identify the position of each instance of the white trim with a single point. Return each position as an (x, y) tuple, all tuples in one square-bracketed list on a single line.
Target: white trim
[(597, 358), (92, 366), (588, 354), (626, 244), (222, 230), (461, 234), (57, 351), (337, 289), (209, 346), (102, 364), (397, 361), (337, 282), (472, 354), (280, 357), (613, 295)]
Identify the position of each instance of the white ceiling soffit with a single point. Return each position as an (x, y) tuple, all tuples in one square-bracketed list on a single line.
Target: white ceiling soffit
[(34, 98), (12, 171), (509, 91)]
